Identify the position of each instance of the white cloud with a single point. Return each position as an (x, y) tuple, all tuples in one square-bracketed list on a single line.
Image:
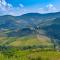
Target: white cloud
[(48, 9), (0, 1), (10, 6), (4, 3), (6, 8), (51, 7), (21, 5)]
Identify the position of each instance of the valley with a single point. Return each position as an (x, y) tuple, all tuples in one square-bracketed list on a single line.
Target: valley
[(31, 36)]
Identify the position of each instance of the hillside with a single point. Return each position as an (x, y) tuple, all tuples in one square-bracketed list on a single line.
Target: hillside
[(31, 36), (29, 24)]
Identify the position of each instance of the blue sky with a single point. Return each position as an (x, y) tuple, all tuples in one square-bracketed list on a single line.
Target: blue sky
[(19, 7)]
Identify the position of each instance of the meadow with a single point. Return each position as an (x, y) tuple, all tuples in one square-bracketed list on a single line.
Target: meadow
[(27, 48), (34, 54)]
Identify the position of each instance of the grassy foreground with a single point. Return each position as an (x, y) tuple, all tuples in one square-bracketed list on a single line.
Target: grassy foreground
[(27, 48), (34, 54)]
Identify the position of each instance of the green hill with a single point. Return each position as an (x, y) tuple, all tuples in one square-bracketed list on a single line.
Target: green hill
[(31, 36)]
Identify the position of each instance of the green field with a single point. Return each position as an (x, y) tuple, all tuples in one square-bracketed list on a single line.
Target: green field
[(27, 48), (34, 54), (25, 41)]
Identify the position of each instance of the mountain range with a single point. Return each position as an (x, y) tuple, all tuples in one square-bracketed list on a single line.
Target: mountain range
[(30, 24)]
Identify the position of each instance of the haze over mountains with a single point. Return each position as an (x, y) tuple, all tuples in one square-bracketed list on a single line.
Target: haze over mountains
[(24, 25)]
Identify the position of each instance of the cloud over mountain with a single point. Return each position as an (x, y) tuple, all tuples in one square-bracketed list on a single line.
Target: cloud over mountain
[(51, 7)]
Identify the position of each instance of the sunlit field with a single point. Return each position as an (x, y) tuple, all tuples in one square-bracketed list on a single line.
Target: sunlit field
[(27, 48), (34, 54)]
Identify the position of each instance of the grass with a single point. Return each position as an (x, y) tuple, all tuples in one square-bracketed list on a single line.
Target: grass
[(31, 40), (27, 48), (31, 55), (24, 41)]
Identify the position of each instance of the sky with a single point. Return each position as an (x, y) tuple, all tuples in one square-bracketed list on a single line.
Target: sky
[(20, 7)]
